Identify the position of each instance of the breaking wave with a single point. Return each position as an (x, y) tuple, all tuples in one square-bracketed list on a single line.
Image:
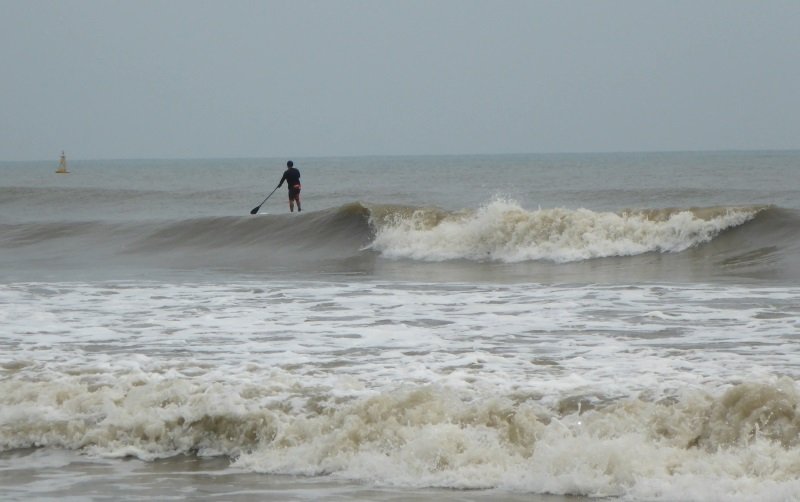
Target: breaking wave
[(738, 441), (353, 236), (503, 231)]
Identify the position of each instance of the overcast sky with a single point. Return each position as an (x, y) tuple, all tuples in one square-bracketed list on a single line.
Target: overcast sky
[(190, 78)]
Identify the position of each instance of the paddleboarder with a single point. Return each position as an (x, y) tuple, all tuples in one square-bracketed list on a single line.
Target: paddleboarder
[(292, 178)]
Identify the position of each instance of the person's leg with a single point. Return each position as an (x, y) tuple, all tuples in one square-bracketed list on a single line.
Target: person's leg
[(294, 196)]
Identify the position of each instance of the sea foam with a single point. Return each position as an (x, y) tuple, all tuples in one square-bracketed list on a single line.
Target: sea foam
[(648, 392), (503, 231)]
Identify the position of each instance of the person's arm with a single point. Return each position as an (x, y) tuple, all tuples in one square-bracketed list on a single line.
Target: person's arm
[(282, 179)]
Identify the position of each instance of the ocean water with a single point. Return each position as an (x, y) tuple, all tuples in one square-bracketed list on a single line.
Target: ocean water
[(526, 327)]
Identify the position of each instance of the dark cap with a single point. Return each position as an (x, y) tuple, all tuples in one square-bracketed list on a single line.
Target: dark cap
[(289, 164)]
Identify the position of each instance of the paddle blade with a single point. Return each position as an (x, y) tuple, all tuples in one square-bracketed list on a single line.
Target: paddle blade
[(255, 210)]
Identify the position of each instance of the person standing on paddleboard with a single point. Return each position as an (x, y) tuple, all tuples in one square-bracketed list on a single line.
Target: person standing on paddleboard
[(292, 178)]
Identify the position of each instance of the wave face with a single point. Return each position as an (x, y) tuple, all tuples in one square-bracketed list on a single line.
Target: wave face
[(361, 238)]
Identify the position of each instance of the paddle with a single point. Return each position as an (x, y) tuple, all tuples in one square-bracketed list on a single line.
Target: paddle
[(255, 209)]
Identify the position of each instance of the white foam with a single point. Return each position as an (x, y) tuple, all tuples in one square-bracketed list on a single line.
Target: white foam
[(503, 231), (683, 392)]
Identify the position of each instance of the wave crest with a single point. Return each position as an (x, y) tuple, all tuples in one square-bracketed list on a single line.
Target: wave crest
[(503, 231)]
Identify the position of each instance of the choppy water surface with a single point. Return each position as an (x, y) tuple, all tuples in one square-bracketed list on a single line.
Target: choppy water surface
[(491, 334)]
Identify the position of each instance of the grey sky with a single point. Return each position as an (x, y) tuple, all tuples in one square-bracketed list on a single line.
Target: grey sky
[(189, 78)]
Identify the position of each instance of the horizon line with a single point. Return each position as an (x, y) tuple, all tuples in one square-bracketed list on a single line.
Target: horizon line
[(372, 155)]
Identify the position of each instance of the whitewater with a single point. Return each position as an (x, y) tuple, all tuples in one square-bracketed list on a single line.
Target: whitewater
[(577, 326)]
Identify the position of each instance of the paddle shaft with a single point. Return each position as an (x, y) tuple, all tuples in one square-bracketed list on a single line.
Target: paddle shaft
[(255, 209)]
